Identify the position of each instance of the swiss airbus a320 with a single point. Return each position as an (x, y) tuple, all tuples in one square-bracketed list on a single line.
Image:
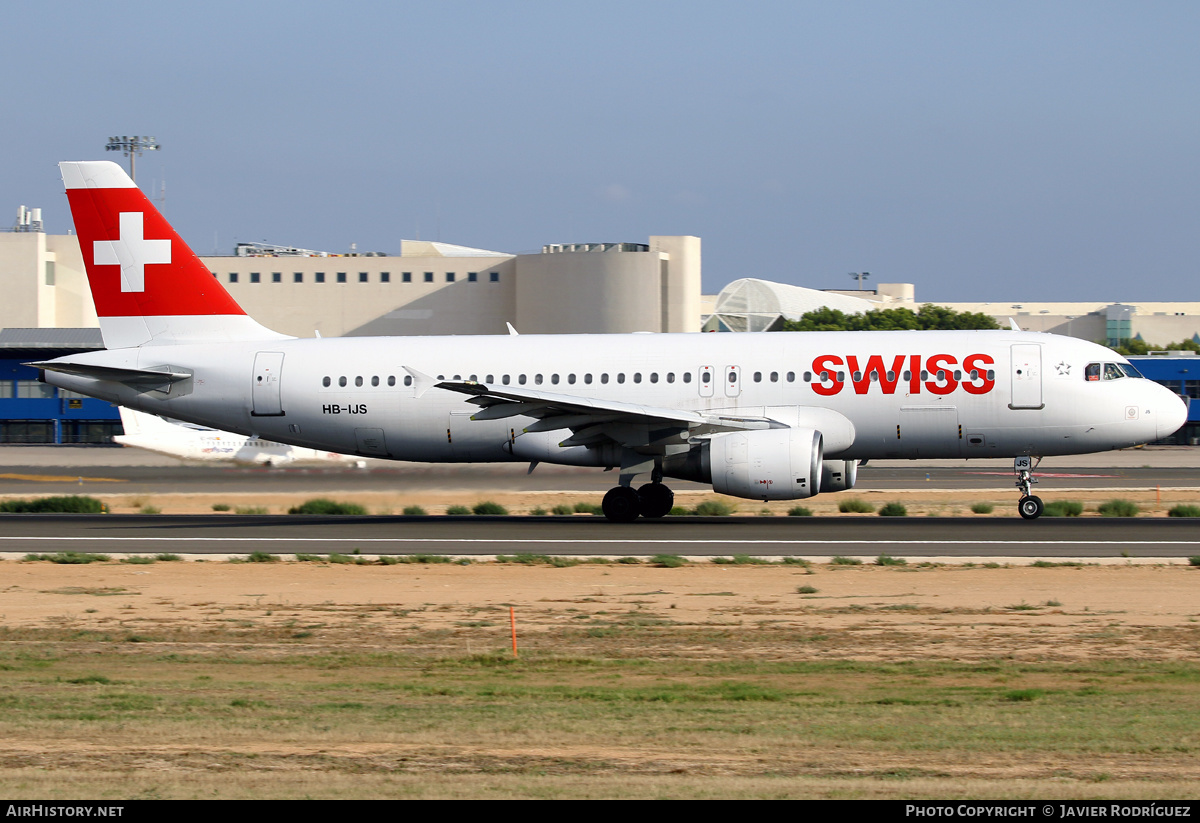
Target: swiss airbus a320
[(764, 416)]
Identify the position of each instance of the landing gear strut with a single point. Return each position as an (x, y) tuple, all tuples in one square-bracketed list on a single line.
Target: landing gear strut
[(1029, 505), (623, 505)]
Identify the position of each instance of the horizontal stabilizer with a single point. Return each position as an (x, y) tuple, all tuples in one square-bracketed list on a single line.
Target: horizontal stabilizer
[(150, 378)]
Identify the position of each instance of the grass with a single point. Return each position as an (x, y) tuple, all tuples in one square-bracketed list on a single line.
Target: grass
[(322, 505), (457, 509), (1184, 510), (1119, 508), (799, 511), (414, 511), (838, 560), (1063, 508), (982, 508), (855, 505), (266, 721), (588, 508), (562, 509), (72, 504), (888, 560), (488, 507), (714, 508), (68, 558), (893, 510)]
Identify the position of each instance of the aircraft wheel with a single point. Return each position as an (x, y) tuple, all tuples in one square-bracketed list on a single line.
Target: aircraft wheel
[(655, 500), (621, 505), (1030, 507)]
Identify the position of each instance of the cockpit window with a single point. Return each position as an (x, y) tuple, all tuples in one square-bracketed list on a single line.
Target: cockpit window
[(1092, 372), (1112, 371), (1129, 370)]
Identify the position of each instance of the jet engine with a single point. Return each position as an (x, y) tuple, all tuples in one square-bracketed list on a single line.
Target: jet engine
[(765, 464), (839, 475)]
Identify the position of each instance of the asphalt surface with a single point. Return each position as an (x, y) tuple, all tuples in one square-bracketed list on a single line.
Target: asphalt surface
[(590, 535)]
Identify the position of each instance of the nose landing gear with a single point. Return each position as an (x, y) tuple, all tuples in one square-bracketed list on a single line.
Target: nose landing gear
[(1029, 505)]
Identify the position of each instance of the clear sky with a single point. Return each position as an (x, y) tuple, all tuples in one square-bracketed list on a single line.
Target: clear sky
[(981, 150)]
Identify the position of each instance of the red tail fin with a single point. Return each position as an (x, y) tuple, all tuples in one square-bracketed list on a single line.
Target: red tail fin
[(148, 286)]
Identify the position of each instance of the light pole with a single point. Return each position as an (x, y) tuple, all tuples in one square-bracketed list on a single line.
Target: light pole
[(132, 147), (860, 276)]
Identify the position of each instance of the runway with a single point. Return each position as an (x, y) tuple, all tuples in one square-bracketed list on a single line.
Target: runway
[(959, 537)]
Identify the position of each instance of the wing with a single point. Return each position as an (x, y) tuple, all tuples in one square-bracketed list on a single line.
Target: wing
[(592, 420)]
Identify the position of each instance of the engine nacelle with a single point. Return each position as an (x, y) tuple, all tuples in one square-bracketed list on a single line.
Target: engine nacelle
[(766, 464), (838, 475)]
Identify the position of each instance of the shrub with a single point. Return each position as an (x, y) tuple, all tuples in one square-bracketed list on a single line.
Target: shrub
[(220, 507), (69, 558), (73, 504), (714, 508), (1184, 510), (323, 505), (668, 561), (138, 560), (1194, 560), (888, 560), (488, 507), (538, 512), (1063, 508), (250, 510), (893, 510), (456, 509), (838, 560), (588, 508), (855, 506), (167, 557), (261, 557), (414, 511), (799, 511), (563, 509), (1119, 508), (982, 508), (678, 511), (806, 590)]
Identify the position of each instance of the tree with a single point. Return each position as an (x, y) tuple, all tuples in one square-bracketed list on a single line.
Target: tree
[(928, 318)]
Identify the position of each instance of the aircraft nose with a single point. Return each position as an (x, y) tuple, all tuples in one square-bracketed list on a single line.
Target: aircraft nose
[(1171, 412)]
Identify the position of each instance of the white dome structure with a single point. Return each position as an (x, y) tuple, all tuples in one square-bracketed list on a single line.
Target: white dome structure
[(760, 305)]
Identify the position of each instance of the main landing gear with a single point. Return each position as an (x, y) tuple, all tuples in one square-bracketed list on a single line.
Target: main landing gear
[(1029, 505), (623, 504)]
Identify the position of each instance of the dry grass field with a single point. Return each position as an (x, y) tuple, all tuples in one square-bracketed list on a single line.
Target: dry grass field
[(354, 679)]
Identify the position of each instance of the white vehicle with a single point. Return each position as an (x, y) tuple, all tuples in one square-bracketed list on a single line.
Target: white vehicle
[(768, 416), (192, 442)]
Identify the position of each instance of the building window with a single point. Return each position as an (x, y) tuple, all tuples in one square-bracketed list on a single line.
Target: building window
[(298, 277), (385, 277), (362, 277), (28, 389), (49, 272), (255, 277), (449, 277), (341, 277), (494, 277), (319, 277), (276, 277), (428, 277), (406, 277), (472, 276), (233, 277)]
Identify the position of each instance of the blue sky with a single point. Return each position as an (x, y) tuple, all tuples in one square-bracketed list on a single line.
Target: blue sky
[(983, 151)]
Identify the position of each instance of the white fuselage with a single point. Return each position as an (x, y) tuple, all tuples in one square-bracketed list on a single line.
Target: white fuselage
[(906, 394)]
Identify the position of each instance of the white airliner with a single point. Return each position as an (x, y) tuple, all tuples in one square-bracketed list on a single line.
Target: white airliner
[(191, 442), (766, 416)]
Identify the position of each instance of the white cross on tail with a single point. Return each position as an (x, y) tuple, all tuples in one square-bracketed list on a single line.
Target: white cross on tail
[(132, 252)]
